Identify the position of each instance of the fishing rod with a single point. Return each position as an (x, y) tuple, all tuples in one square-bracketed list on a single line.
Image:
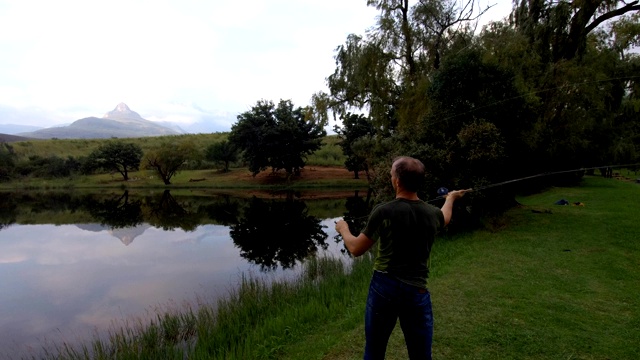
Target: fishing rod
[(443, 191)]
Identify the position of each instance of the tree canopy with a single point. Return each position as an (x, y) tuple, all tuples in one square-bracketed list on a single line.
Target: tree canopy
[(552, 87), (222, 152), (169, 157), (116, 156), (279, 137)]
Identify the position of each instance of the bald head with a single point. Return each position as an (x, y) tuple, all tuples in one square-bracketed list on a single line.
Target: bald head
[(409, 172)]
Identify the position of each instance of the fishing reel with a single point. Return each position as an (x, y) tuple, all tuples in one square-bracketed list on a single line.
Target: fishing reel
[(443, 191)]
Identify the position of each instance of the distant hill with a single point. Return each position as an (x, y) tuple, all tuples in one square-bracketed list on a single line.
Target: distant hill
[(12, 138), (121, 122)]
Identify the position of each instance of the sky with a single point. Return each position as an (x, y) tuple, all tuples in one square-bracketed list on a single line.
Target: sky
[(182, 61)]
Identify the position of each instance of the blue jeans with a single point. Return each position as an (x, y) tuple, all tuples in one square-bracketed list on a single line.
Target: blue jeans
[(388, 300)]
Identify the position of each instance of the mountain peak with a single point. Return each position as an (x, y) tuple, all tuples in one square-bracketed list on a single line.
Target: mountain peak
[(122, 107), (122, 112)]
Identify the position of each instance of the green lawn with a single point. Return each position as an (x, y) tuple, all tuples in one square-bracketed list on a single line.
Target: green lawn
[(556, 282)]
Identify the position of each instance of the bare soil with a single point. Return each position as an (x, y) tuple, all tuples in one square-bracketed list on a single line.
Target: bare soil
[(310, 174), (307, 174)]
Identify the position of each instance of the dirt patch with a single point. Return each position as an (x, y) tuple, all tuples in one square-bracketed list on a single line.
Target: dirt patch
[(311, 174), (307, 174)]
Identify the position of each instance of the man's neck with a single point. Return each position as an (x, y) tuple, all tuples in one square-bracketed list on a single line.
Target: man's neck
[(402, 194)]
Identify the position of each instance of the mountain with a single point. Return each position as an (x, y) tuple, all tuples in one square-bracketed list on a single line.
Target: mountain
[(121, 122), (126, 235)]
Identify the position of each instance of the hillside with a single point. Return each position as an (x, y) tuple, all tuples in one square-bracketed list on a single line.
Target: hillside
[(121, 122), (12, 138)]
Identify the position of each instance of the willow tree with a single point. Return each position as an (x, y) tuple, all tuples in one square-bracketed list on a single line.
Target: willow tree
[(582, 75), (561, 28), (387, 71)]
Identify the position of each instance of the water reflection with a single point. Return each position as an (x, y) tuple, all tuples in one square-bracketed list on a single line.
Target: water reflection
[(8, 210), (117, 212), (268, 232), (272, 233), (62, 272)]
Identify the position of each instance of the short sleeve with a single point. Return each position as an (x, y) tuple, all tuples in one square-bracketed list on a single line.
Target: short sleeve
[(373, 223)]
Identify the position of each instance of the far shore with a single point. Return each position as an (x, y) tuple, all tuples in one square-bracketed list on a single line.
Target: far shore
[(313, 181)]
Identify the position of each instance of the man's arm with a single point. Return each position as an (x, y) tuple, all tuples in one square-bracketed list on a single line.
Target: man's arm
[(357, 245), (447, 208)]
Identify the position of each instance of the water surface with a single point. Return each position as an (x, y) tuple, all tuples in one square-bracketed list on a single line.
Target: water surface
[(72, 265)]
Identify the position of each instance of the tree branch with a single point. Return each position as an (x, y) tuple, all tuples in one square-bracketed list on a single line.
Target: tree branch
[(611, 14)]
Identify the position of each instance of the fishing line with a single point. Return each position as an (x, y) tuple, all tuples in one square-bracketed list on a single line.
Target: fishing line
[(444, 191)]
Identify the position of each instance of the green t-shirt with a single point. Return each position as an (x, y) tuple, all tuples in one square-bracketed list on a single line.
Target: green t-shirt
[(404, 231)]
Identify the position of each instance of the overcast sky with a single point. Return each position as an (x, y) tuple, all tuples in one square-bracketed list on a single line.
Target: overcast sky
[(181, 61)]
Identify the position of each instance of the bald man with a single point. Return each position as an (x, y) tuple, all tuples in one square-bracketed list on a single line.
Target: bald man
[(404, 230)]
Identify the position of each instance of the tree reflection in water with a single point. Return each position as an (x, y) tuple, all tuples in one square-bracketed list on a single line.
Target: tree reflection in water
[(117, 212), (8, 210), (225, 211), (272, 233), (167, 213)]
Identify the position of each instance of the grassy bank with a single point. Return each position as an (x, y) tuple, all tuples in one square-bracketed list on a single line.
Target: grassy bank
[(237, 178), (549, 282)]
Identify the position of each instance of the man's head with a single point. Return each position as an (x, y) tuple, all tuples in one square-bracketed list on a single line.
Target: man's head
[(409, 172)]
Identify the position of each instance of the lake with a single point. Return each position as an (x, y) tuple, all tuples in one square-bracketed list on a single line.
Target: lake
[(73, 265)]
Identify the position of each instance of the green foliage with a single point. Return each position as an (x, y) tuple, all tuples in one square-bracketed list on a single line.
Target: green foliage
[(49, 167), (329, 154), (116, 156), (278, 137), (223, 152), (7, 161), (355, 127), (543, 91), (169, 157)]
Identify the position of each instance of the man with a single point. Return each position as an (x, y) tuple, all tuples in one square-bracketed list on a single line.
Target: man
[(405, 230)]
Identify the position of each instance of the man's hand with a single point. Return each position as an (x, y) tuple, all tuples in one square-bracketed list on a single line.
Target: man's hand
[(456, 194), (450, 198), (341, 225), (357, 245)]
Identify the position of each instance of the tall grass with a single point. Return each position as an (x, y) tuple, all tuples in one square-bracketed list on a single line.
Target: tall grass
[(330, 154)]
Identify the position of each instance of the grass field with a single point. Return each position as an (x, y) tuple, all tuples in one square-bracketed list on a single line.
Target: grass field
[(550, 282), (203, 175)]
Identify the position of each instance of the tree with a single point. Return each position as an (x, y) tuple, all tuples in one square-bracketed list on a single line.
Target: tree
[(222, 152), (387, 72), (278, 137), (116, 156), (169, 157), (559, 29), (354, 127)]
